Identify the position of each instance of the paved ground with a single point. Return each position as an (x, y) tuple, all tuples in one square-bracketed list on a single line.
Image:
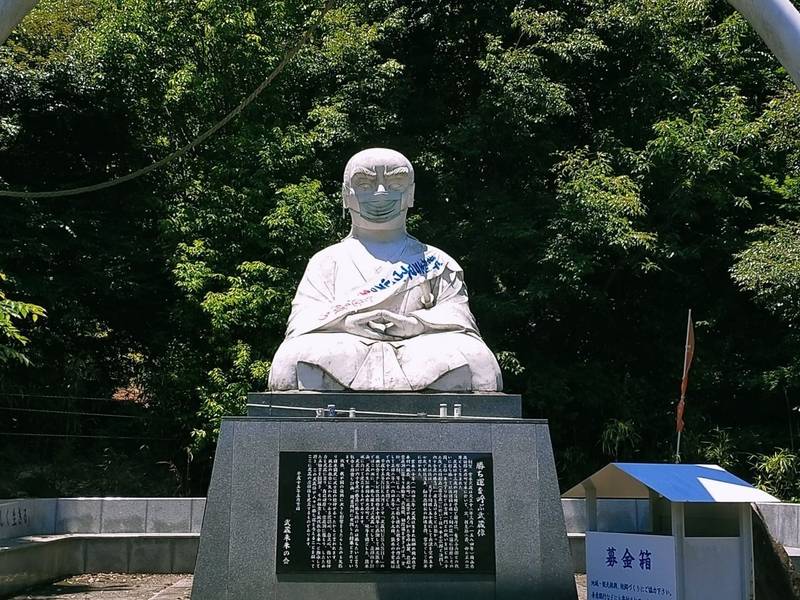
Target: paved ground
[(115, 586)]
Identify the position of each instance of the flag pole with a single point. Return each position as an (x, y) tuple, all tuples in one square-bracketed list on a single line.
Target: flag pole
[(687, 362)]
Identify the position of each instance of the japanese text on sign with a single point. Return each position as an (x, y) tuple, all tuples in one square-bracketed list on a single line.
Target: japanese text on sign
[(623, 566), (418, 512)]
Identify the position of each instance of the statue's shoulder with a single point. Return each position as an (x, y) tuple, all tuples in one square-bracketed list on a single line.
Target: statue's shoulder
[(328, 253), (441, 255), (324, 261)]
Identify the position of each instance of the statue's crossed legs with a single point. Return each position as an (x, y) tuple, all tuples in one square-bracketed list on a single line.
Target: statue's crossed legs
[(446, 362)]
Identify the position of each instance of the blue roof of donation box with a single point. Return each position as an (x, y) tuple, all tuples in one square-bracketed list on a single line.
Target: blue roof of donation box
[(676, 483)]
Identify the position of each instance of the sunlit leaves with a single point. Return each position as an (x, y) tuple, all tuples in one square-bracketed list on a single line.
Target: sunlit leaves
[(12, 340), (769, 268), (549, 31), (521, 93), (597, 221)]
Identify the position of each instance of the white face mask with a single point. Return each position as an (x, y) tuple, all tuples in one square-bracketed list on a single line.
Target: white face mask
[(379, 207)]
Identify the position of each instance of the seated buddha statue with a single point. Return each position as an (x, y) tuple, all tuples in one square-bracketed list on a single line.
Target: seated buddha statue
[(380, 310)]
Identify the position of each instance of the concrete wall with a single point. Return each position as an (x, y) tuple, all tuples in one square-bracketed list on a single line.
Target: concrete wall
[(31, 561), (54, 516), (152, 527), (783, 521), (46, 539), (27, 517)]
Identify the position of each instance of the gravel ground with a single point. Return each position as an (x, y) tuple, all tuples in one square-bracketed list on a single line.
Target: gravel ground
[(580, 583), (117, 586)]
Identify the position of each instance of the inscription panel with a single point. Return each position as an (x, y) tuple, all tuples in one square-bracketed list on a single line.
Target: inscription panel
[(13, 514), (385, 511)]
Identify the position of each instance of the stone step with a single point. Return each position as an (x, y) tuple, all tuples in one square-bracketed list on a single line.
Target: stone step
[(32, 560)]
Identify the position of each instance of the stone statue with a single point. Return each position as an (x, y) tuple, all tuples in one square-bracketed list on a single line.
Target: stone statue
[(380, 310)]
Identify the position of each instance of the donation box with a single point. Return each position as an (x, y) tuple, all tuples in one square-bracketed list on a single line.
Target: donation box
[(693, 540)]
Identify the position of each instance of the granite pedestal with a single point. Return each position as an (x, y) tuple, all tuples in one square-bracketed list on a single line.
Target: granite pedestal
[(237, 557), (483, 404)]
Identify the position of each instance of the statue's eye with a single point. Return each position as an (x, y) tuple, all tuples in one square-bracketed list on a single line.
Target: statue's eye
[(362, 183), (397, 182)]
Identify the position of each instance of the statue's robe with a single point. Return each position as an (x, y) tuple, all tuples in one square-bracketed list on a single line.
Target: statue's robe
[(423, 282)]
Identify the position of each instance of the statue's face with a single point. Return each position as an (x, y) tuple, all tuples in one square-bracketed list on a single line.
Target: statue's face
[(378, 188)]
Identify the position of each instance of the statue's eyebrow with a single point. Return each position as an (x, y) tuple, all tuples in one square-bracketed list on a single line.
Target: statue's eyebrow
[(396, 171), (364, 171)]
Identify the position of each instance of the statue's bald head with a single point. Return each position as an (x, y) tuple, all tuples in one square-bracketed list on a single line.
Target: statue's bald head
[(372, 157), (378, 188)]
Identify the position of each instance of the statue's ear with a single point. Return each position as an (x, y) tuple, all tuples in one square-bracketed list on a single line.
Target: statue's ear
[(410, 194)]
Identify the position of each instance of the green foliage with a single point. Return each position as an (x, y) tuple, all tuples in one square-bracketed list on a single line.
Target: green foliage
[(776, 474), (594, 226), (596, 166), (619, 439), (770, 268), (11, 338), (87, 471), (720, 449)]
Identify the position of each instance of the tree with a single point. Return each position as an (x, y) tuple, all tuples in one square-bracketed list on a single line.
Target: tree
[(597, 167)]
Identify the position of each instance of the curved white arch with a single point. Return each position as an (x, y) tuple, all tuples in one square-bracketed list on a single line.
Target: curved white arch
[(778, 24), (11, 13)]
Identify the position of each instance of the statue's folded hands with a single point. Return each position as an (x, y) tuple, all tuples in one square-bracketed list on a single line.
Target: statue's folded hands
[(377, 324)]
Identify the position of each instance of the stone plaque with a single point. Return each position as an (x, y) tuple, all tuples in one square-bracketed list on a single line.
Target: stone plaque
[(385, 511)]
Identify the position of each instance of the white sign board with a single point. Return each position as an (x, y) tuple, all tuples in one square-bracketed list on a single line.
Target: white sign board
[(630, 566)]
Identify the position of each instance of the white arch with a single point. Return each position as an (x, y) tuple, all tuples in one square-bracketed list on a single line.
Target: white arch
[(11, 13), (778, 24)]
